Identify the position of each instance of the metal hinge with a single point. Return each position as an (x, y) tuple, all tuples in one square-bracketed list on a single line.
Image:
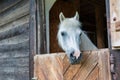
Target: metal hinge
[(34, 78), (112, 63), (112, 66)]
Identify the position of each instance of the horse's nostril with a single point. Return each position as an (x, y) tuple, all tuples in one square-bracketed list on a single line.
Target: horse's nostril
[(72, 57), (72, 54)]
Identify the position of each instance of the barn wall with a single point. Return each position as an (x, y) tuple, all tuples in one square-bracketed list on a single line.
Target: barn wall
[(14, 40)]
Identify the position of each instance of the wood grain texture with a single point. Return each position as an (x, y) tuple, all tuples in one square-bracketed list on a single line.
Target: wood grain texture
[(15, 12), (14, 31), (14, 73), (94, 74), (99, 13), (32, 35), (41, 27), (6, 4), (87, 67), (71, 70), (94, 65), (115, 23), (104, 65), (14, 40), (48, 67)]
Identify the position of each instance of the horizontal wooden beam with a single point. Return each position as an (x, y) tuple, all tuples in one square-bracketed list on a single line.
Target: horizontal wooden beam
[(14, 13), (14, 31), (14, 62), (14, 73), (6, 4), (14, 54), (12, 47), (16, 39)]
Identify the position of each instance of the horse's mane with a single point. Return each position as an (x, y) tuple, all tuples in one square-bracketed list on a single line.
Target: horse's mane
[(86, 43)]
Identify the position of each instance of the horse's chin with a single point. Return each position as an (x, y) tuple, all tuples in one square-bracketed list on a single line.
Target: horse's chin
[(76, 61)]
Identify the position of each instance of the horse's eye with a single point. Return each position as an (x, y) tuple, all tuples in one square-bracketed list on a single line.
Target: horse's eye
[(63, 33), (80, 34)]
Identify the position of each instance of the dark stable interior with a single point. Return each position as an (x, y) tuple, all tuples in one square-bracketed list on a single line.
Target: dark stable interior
[(92, 16)]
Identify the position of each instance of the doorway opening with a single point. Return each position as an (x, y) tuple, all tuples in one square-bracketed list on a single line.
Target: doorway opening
[(92, 16)]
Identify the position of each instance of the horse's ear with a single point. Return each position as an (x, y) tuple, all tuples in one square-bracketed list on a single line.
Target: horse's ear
[(76, 16), (61, 17)]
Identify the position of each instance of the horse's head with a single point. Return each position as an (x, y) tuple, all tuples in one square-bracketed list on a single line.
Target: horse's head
[(69, 37)]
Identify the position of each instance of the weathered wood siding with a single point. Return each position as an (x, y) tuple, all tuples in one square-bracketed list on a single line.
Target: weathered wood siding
[(14, 40), (94, 65), (115, 23)]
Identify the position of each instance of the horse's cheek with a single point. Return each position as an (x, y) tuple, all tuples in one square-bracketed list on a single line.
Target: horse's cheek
[(63, 44)]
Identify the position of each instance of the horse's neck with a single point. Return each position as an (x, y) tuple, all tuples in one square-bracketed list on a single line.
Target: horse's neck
[(86, 43)]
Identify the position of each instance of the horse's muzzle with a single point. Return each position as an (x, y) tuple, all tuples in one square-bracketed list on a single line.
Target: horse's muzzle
[(74, 60)]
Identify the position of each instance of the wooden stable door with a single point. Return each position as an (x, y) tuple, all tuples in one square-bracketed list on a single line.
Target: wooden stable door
[(93, 66), (115, 23)]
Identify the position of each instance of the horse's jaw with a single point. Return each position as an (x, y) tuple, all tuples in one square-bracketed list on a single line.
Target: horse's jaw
[(86, 43)]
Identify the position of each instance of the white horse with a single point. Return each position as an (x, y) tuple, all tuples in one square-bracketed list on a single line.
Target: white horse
[(72, 39)]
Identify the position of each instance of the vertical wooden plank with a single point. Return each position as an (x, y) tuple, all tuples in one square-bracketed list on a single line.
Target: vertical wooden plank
[(100, 26), (104, 65), (109, 31), (37, 31), (41, 27), (48, 67), (32, 35), (111, 27), (113, 18)]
